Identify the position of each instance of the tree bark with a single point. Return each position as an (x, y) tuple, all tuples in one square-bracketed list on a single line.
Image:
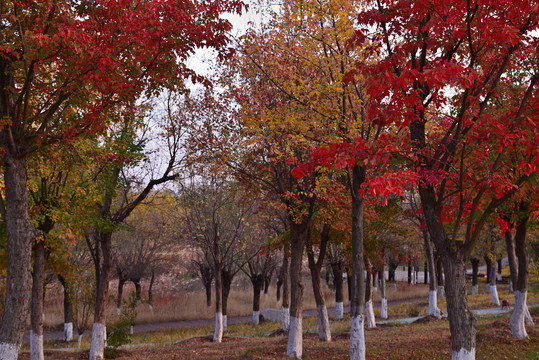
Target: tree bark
[(227, 277), (298, 237), (150, 288), (138, 290), (520, 311), (383, 305), (103, 265), (488, 263), (337, 270), (511, 257), (121, 283), (68, 311), (439, 277), (324, 332), (258, 285), (369, 310), (286, 294), (20, 234), (433, 296), (36, 317), (492, 276), (475, 271), (357, 288)]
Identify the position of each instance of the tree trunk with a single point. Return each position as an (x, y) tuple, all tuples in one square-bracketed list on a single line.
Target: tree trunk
[(258, 285), (433, 296), (218, 334), (409, 272), (298, 236), (324, 332), (227, 277), (383, 305), (440, 277), (475, 271), (499, 278), (488, 263), (138, 290), (357, 334), (68, 311), (206, 275), (150, 288), (369, 310), (337, 270), (493, 290), (461, 320), (121, 283), (511, 257), (20, 234), (520, 311), (286, 295), (102, 272), (267, 282), (36, 318), (453, 255)]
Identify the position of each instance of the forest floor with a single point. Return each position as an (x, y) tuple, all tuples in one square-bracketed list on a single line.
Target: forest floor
[(427, 339)]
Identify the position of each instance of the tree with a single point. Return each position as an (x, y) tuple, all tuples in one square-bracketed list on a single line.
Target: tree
[(58, 56), (459, 139)]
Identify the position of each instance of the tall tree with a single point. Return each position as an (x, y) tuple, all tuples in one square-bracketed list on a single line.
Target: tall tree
[(459, 137), (59, 55)]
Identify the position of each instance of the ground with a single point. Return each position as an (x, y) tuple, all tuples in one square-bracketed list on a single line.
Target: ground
[(426, 340)]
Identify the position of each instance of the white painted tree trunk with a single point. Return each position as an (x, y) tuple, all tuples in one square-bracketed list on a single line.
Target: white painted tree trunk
[(68, 331), (79, 341), (527, 316), (118, 311), (440, 291), (218, 334), (256, 318), (357, 339), (324, 332), (36, 346), (499, 278), (464, 354), (488, 288), (295, 338), (339, 310), (475, 290), (518, 330), (286, 318), (9, 351), (150, 307), (383, 312), (99, 338), (371, 321), (494, 295), (225, 323), (433, 305), (131, 329)]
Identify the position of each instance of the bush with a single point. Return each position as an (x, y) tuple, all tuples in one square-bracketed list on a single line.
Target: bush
[(120, 332)]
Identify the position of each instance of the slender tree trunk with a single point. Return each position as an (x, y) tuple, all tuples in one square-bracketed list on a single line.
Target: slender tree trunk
[(511, 257), (488, 263), (138, 290), (357, 334), (227, 277), (103, 269), (267, 282), (475, 271), (150, 288), (324, 331), (206, 275), (298, 236), (493, 290), (383, 305), (20, 234), (337, 269), (520, 311), (121, 283), (409, 272), (440, 277), (36, 318), (371, 321), (453, 255), (499, 278), (218, 334), (286, 294), (433, 298), (68, 310), (258, 285)]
